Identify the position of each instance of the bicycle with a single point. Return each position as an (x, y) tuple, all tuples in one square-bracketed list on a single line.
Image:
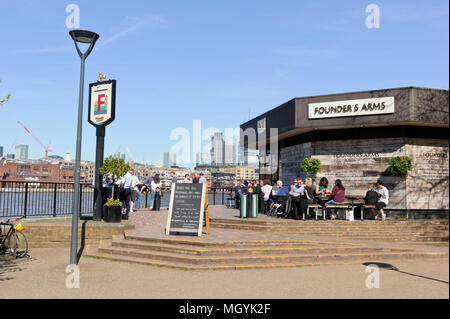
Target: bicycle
[(14, 240)]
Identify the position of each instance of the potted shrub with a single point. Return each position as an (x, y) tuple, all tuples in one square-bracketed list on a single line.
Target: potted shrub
[(113, 168), (312, 166), (112, 211), (400, 165)]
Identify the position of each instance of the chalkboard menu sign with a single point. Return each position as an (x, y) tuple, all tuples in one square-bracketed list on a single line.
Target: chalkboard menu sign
[(186, 208)]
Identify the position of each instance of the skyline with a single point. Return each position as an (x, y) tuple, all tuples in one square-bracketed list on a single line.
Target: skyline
[(221, 63)]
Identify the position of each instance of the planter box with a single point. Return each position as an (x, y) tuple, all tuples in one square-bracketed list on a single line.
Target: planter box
[(112, 214)]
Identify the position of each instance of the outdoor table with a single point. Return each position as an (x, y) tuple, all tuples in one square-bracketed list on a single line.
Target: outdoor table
[(321, 200)]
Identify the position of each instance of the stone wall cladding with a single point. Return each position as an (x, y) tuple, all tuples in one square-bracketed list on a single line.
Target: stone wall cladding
[(359, 163)]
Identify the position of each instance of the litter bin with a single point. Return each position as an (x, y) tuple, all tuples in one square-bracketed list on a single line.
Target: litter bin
[(243, 206), (249, 206), (253, 212)]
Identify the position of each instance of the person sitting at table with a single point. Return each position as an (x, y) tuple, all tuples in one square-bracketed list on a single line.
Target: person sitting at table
[(282, 195), (267, 192), (321, 188), (307, 197), (337, 196), (297, 191), (383, 200)]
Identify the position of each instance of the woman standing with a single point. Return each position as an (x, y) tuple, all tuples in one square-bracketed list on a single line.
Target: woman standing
[(156, 183), (187, 179)]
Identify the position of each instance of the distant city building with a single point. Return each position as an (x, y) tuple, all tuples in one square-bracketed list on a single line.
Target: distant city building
[(119, 155), (248, 157), (170, 159), (158, 163), (240, 173), (1, 151), (21, 152), (203, 158), (11, 156), (217, 149), (67, 158), (230, 154)]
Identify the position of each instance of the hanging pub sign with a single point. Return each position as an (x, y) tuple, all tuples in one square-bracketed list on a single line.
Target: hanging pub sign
[(102, 102)]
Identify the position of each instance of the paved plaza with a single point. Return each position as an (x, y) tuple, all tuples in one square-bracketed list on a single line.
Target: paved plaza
[(43, 274)]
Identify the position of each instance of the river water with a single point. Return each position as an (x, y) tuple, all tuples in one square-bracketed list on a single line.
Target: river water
[(46, 204)]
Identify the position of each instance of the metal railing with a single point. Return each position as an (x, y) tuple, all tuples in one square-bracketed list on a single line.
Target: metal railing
[(52, 199), (42, 199)]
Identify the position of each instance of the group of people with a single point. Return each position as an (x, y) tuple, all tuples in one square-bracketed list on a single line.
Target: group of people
[(293, 200), (129, 189), (195, 178)]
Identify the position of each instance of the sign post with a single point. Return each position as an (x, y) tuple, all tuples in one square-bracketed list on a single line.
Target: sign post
[(187, 209), (102, 111)]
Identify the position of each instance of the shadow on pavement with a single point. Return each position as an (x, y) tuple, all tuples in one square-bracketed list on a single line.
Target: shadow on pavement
[(391, 267), (9, 265)]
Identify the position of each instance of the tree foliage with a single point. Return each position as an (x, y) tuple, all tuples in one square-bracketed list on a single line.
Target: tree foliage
[(400, 165), (114, 167), (311, 166), (3, 101)]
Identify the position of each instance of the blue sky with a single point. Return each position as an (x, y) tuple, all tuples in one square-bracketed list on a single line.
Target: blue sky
[(215, 61)]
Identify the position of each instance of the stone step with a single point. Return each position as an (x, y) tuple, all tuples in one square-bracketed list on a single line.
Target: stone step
[(331, 224), (275, 250), (366, 222), (329, 230), (180, 266), (234, 243), (431, 239), (261, 259)]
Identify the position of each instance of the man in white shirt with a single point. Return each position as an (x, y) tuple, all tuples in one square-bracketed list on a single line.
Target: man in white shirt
[(134, 191), (126, 184), (383, 199), (202, 179)]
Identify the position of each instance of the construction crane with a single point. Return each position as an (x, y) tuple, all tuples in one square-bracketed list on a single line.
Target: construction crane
[(46, 149), (9, 151)]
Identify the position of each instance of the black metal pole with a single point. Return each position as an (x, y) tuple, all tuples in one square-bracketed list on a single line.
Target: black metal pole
[(99, 152), (76, 185)]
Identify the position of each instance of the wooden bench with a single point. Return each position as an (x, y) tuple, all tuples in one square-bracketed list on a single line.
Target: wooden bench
[(316, 208), (363, 207)]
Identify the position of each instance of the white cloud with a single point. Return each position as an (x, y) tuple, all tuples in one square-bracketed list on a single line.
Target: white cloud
[(130, 25), (133, 24)]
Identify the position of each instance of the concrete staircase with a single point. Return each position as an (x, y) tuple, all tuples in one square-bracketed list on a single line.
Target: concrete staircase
[(248, 254), (434, 232)]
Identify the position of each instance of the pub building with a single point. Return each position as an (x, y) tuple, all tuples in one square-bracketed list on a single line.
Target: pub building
[(355, 134)]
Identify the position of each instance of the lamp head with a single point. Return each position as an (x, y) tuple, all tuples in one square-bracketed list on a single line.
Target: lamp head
[(84, 36)]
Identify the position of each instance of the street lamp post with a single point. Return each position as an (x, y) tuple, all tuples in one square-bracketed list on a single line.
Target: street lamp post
[(88, 37)]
